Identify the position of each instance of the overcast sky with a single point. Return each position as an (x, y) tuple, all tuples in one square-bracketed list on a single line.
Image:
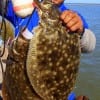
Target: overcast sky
[(82, 1)]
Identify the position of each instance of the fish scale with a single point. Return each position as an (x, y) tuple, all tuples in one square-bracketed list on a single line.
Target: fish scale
[(53, 56)]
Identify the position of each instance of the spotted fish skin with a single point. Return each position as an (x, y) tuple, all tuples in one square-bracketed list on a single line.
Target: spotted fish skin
[(9, 29), (16, 85), (53, 56)]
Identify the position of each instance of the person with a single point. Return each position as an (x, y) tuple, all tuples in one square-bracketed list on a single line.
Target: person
[(72, 20)]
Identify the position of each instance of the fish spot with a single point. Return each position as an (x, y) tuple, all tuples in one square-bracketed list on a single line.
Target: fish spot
[(54, 73), (47, 72), (49, 59), (61, 82), (30, 98), (40, 53), (61, 68), (61, 59), (58, 63), (52, 89), (45, 48), (65, 55), (52, 97), (42, 86), (25, 91), (46, 92), (49, 51), (37, 82), (67, 66), (63, 51), (67, 80), (55, 48), (64, 72), (65, 77), (72, 42), (68, 59), (54, 82), (58, 90), (64, 46), (50, 64)]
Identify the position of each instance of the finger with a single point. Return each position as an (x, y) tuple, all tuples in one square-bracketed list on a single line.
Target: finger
[(72, 22), (75, 27), (64, 14), (68, 16)]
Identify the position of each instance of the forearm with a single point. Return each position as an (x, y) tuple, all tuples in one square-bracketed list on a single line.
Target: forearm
[(88, 41)]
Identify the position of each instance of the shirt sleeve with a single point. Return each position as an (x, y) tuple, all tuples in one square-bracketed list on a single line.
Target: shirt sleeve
[(88, 41), (10, 15), (85, 24)]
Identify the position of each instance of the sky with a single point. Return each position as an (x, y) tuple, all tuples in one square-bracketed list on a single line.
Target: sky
[(82, 1)]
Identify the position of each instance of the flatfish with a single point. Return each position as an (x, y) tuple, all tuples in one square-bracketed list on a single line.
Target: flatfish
[(6, 28), (16, 85), (53, 56)]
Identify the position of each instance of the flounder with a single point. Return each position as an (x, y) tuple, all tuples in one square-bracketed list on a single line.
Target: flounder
[(53, 56), (7, 27), (48, 69), (16, 85)]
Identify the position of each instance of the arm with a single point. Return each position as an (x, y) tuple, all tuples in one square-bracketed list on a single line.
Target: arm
[(88, 40), (10, 15), (75, 22)]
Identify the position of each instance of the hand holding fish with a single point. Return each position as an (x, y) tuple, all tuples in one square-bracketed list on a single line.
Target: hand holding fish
[(72, 21)]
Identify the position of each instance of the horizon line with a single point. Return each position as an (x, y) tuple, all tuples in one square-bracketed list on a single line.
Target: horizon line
[(81, 3)]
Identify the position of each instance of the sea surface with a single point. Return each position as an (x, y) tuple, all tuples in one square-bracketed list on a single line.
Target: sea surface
[(88, 81)]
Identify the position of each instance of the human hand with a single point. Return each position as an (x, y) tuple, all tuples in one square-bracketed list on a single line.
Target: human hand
[(72, 21)]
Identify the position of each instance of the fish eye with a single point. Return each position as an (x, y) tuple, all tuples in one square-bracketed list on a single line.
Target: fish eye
[(40, 0)]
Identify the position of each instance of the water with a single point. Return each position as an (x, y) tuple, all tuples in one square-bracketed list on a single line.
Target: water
[(88, 81)]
